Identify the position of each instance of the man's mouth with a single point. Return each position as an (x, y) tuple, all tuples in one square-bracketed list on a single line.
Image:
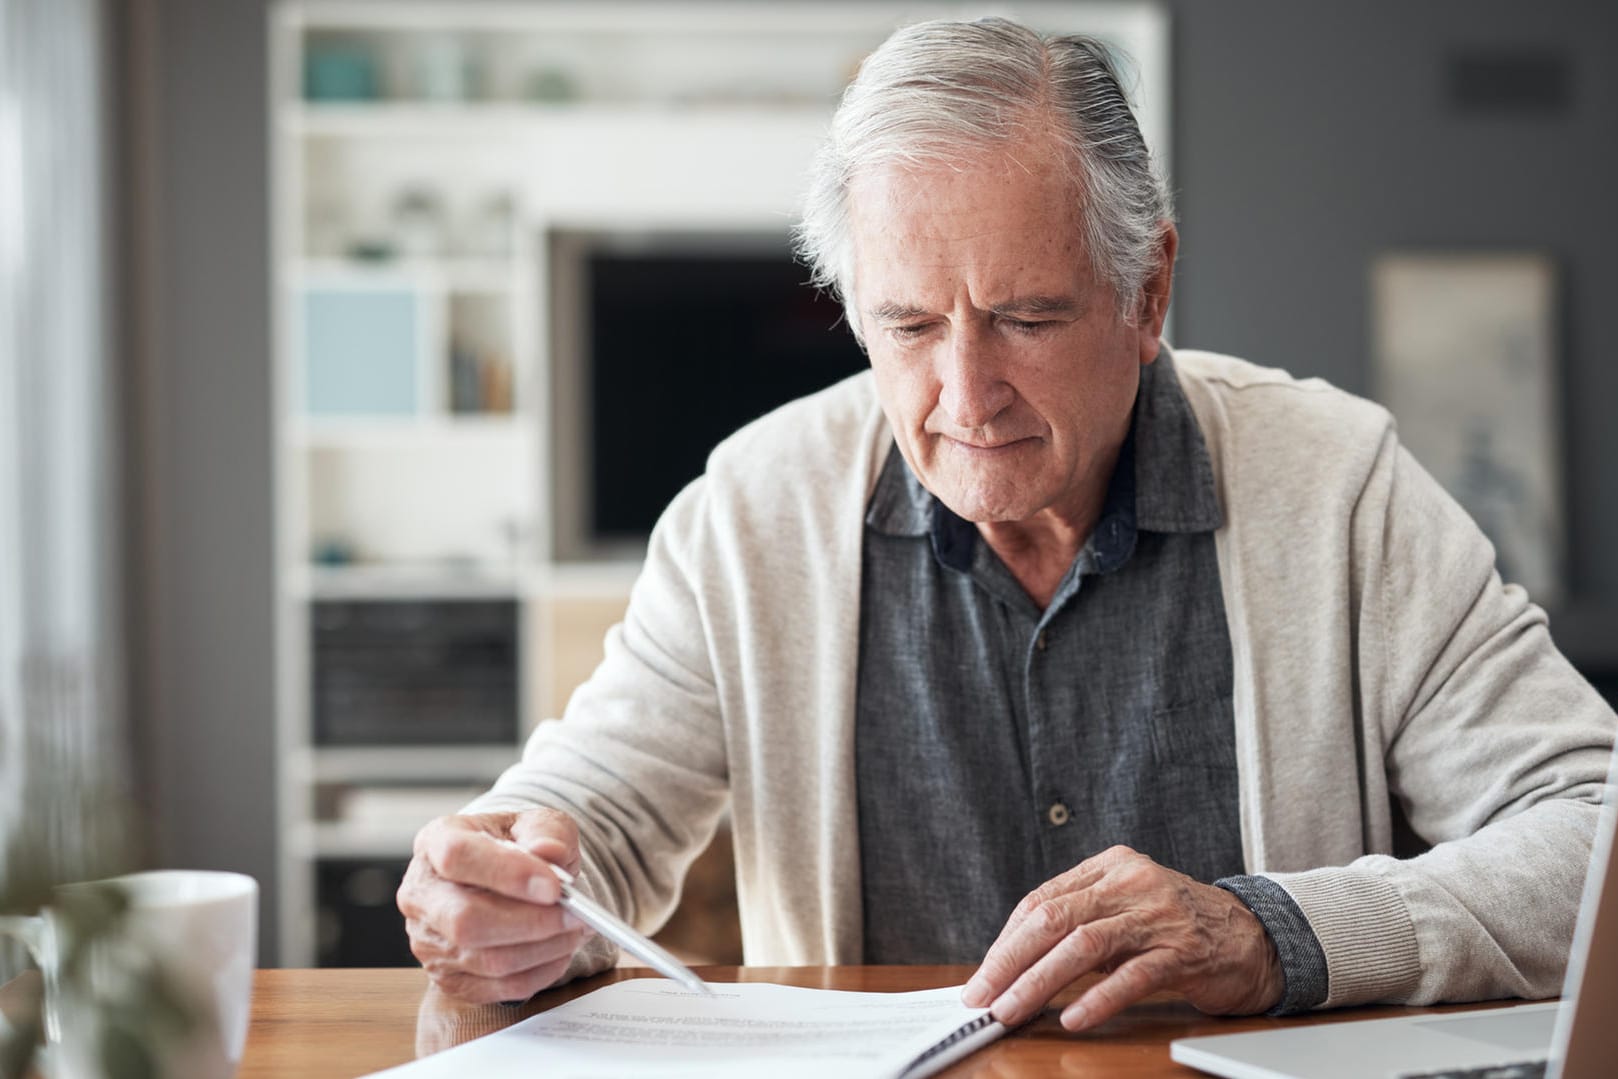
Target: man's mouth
[(987, 447)]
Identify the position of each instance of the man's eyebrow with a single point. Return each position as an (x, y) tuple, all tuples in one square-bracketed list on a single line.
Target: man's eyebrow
[(1039, 305), (891, 311)]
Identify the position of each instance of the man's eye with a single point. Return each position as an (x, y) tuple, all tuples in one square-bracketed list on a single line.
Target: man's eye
[(908, 332), (1025, 327)]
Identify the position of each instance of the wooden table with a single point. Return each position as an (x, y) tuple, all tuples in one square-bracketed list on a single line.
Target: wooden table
[(341, 1023)]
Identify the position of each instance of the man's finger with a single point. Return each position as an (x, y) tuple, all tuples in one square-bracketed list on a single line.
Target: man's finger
[(1080, 877), (514, 959), (1046, 920), (476, 990), (1091, 945), (467, 918), (1132, 982), (549, 834), (465, 855)]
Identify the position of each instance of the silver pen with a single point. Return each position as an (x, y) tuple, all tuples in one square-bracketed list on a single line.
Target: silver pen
[(621, 933)]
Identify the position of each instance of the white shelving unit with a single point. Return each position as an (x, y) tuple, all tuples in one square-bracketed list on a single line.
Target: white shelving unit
[(424, 157)]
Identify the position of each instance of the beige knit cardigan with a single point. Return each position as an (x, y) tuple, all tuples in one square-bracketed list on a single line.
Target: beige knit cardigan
[(1378, 660)]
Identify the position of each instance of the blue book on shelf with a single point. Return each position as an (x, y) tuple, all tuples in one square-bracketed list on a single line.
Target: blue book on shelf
[(360, 352)]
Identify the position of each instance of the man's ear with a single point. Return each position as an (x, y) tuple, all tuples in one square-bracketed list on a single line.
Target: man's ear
[(1156, 291)]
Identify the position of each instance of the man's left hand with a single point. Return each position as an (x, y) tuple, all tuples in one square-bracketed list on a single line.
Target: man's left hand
[(1147, 927)]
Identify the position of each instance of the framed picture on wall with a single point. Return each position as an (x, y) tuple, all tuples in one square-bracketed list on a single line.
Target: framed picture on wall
[(1465, 356)]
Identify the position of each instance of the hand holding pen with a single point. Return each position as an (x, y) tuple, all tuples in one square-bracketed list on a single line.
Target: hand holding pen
[(489, 914), (624, 935)]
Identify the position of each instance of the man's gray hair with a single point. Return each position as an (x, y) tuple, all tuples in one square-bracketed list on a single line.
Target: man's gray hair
[(937, 91)]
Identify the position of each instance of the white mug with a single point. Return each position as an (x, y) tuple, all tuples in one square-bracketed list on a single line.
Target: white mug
[(200, 927)]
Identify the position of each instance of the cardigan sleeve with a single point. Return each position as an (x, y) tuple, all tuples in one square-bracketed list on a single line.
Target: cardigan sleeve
[(1493, 746), (638, 758)]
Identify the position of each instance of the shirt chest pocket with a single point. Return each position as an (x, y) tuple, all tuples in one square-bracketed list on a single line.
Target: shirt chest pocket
[(1200, 735)]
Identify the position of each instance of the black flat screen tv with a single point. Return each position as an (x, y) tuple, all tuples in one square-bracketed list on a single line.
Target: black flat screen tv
[(665, 344)]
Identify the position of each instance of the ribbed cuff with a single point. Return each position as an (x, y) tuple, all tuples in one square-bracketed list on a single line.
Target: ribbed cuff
[(1365, 930), (1303, 961)]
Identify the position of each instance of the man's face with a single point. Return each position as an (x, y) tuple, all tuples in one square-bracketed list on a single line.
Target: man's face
[(1003, 365)]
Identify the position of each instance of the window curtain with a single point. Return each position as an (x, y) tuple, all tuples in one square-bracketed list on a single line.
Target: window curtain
[(63, 752)]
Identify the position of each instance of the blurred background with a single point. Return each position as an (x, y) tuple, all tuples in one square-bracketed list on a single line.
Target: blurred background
[(349, 350)]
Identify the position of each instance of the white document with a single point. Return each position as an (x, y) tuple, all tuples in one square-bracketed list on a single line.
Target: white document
[(653, 1027)]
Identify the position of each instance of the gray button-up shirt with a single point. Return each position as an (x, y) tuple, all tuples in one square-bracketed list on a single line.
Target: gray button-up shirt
[(998, 745)]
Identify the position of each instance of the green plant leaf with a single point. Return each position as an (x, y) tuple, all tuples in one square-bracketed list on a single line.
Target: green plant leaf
[(86, 915), (18, 1045), (124, 1053), (27, 888), (164, 1008), (138, 1004)]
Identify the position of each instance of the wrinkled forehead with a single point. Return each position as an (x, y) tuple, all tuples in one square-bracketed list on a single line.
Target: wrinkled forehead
[(1021, 174), (1030, 138), (1009, 209), (1005, 240)]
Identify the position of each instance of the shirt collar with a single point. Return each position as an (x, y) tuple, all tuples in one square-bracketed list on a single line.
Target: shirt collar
[(1174, 478), (1170, 487)]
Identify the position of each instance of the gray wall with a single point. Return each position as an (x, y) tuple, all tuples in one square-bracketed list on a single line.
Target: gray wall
[(208, 703), (1310, 136)]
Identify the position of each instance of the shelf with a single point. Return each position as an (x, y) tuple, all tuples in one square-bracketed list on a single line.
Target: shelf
[(392, 432), (376, 764), (578, 581), (585, 580), (404, 119), (403, 582), (336, 840), (656, 20), (448, 274), (479, 121)]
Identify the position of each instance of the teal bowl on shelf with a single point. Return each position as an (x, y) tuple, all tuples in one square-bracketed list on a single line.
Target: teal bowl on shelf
[(339, 73)]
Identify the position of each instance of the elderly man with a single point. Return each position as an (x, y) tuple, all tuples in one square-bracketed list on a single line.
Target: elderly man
[(1041, 646)]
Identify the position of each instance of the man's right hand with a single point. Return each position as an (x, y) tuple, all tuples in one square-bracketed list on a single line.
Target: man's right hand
[(479, 901)]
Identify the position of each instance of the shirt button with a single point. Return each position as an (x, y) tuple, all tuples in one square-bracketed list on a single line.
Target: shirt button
[(1057, 814), (1039, 642)]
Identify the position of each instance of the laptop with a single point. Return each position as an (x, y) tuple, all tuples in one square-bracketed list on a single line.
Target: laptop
[(1576, 1039)]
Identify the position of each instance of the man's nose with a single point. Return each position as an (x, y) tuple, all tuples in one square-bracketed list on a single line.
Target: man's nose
[(972, 391)]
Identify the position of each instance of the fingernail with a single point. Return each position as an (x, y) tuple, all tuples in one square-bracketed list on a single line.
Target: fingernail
[(1076, 1017), (541, 886), (570, 920), (976, 992)]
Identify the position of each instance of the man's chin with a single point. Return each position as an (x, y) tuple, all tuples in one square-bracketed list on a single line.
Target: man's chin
[(989, 508)]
